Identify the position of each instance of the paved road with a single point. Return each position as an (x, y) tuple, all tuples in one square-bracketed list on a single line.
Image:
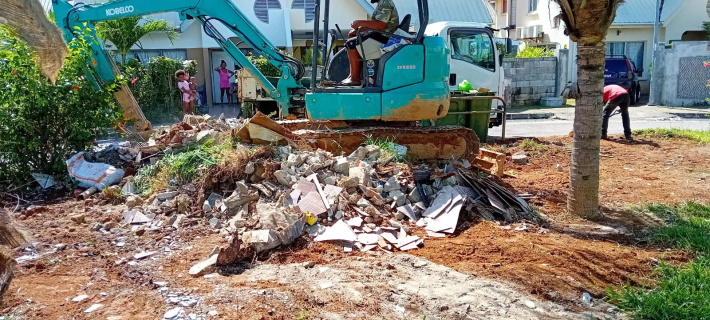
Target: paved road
[(547, 128)]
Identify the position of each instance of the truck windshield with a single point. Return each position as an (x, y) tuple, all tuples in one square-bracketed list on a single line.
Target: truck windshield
[(473, 46)]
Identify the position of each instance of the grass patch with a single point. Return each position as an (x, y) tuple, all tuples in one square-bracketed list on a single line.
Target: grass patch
[(679, 292), (180, 166), (693, 135), (532, 145), (386, 145)]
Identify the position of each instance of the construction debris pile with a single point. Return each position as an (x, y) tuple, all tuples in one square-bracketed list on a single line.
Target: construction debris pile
[(366, 200)]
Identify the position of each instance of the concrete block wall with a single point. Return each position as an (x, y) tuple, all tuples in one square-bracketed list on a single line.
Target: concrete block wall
[(679, 76), (531, 79)]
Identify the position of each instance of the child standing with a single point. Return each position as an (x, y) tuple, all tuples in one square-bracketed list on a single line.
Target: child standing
[(193, 90), (224, 75), (184, 87)]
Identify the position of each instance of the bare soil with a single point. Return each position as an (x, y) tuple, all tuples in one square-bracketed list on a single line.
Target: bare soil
[(494, 271)]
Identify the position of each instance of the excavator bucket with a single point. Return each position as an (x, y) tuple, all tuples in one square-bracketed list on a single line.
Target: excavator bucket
[(28, 20)]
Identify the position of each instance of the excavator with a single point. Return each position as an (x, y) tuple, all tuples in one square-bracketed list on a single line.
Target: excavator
[(400, 87)]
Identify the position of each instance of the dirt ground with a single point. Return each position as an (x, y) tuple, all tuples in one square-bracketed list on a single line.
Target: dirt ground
[(495, 271)]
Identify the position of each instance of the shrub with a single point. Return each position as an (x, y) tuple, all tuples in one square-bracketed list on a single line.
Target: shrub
[(265, 67), (534, 52), (43, 124), (155, 87)]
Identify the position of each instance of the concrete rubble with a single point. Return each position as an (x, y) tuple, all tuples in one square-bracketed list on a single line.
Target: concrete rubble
[(363, 201)]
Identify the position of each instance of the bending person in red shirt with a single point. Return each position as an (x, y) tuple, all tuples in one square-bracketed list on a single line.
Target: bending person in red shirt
[(616, 96)]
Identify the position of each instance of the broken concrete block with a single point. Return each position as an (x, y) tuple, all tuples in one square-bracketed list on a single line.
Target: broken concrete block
[(349, 182), (250, 168), (360, 174), (215, 224), (520, 158), (398, 196), (133, 201), (78, 218), (261, 240), (237, 200), (203, 267), (206, 206), (204, 136), (283, 177), (363, 203), (391, 185), (341, 165), (177, 221)]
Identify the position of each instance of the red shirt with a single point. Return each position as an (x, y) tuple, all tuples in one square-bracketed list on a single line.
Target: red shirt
[(613, 91)]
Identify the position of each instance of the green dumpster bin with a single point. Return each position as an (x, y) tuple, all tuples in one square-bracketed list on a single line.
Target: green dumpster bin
[(478, 122)]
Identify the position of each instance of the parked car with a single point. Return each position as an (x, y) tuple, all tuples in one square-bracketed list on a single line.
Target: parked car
[(621, 71)]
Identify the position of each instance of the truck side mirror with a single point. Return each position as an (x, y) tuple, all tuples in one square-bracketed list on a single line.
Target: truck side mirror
[(508, 45)]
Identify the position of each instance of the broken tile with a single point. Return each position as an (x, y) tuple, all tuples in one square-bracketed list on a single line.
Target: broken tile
[(355, 222), (203, 266), (339, 231), (80, 298), (93, 308), (368, 238), (408, 210), (312, 203), (143, 255)]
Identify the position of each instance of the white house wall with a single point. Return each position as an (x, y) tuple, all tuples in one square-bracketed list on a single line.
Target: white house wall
[(688, 17)]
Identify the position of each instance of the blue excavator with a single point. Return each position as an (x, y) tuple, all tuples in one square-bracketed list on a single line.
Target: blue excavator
[(400, 87)]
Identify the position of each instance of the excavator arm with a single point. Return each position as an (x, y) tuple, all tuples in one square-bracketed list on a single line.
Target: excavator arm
[(73, 17)]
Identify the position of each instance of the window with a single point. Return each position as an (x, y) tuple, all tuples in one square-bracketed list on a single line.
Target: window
[(632, 50), (262, 7), (505, 6), (532, 5), (308, 5), (475, 47)]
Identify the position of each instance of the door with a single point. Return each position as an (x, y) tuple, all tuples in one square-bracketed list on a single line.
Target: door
[(216, 59), (474, 58)]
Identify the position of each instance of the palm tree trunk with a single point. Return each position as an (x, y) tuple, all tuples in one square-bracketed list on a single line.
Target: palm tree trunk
[(123, 59), (583, 194)]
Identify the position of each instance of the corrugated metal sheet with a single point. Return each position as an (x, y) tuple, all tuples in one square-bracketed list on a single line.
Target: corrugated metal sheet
[(448, 10), (642, 11)]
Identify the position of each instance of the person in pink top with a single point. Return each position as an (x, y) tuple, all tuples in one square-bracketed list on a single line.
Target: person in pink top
[(224, 75), (184, 87), (616, 96)]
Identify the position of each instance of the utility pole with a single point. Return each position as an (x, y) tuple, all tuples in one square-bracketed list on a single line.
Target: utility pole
[(652, 99)]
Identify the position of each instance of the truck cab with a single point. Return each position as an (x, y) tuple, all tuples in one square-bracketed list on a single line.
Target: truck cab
[(473, 56)]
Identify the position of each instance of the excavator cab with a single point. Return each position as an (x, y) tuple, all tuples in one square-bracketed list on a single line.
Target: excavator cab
[(408, 82)]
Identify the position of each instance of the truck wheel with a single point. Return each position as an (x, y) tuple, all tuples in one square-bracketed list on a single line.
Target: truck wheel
[(638, 92), (632, 94)]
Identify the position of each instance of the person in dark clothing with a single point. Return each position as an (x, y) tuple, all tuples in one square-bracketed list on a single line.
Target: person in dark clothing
[(616, 96)]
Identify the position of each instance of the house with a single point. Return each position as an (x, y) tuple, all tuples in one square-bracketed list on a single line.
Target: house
[(537, 23)]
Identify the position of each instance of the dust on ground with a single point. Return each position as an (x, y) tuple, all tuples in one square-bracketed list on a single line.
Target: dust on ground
[(496, 272)]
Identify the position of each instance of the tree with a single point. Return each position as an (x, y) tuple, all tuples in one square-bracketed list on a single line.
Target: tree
[(587, 22), (126, 32)]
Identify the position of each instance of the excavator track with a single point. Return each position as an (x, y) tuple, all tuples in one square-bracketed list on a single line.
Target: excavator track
[(423, 143)]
